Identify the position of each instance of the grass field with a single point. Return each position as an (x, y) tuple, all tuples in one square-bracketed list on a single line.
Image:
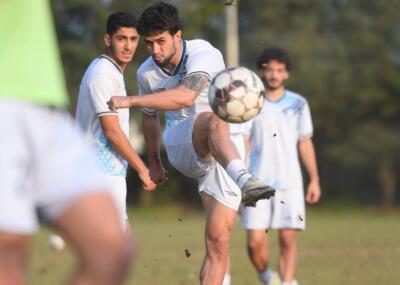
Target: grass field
[(339, 247)]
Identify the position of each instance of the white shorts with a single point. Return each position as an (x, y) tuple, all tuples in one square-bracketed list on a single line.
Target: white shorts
[(286, 210), (44, 164), (211, 176), (118, 192)]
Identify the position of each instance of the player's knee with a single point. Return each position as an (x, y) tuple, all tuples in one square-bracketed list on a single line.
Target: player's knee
[(218, 245), (217, 126), (252, 246), (287, 241), (254, 243)]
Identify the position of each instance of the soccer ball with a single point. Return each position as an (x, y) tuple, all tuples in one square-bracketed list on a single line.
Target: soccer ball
[(56, 242), (236, 94)]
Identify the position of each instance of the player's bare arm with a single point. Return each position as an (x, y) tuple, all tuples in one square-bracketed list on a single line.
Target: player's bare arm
[(122, 146), (196, 82), (151, 132), (167, 100), (308, 157)]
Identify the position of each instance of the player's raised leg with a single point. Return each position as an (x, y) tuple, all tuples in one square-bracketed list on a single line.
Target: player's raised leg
[(211, 137), (219, 223)]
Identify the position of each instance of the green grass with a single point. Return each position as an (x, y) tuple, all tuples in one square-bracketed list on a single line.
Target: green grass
[(358, 246)]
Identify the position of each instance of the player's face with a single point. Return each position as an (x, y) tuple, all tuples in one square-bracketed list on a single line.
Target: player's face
[(164, 47), (122, 45), (274, 74)]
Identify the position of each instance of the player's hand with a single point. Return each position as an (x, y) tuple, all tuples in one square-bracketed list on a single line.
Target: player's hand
[(118, 102), (158, 174), (313, 192), (148, 184)]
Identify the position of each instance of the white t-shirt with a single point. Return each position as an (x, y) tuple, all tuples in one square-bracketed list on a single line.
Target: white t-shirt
[(102, 79), (198, 56), (274, 137)]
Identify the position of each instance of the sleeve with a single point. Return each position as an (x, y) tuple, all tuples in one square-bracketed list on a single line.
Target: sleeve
[(208, 61), (143, 89), (306, 125), (101, 89)]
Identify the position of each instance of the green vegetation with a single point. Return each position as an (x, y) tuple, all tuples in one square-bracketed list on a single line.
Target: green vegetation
[(347, 246)]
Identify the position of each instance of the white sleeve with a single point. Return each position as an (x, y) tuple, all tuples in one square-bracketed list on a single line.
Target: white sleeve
[(143, 89), (101, 89), (207, 61), (306, 125)]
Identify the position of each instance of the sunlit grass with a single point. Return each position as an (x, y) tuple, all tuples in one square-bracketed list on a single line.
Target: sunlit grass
[(359, 246)]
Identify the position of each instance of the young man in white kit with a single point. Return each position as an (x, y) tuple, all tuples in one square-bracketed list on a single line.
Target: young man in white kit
[(45, 164), (280, 134), (108, 131), (175, 79)]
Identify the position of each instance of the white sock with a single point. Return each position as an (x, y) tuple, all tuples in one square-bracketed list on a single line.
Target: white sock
[(238, 172), (227, 279), (265, 275)]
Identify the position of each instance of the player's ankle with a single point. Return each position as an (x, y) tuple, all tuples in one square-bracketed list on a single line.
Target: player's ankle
[(293, 282), (237, 170), (265, 275)]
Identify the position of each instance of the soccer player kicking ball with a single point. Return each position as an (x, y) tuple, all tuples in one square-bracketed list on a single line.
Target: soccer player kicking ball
[(106, 130), (282, 130), (175, 79), (45, 164)]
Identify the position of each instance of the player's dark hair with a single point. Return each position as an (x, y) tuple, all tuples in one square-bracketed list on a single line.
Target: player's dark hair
[(158, 18), (274, 53), (118, 20)]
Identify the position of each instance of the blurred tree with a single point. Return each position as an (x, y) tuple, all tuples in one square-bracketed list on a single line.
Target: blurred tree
[(372, 145), (347, 63)]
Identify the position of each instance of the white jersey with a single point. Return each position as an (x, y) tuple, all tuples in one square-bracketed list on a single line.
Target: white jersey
[(102, 79), (240, 129), (198, 56), (274, 138)]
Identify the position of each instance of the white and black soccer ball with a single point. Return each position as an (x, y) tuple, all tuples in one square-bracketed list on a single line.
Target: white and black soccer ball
[(236, 94)]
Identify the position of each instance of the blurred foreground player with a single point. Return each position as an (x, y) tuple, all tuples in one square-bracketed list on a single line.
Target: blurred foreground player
[(44, 163)]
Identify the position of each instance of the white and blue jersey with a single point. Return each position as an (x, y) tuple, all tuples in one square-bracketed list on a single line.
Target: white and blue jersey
[(274, 137), (198, 56), (102, 80)]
